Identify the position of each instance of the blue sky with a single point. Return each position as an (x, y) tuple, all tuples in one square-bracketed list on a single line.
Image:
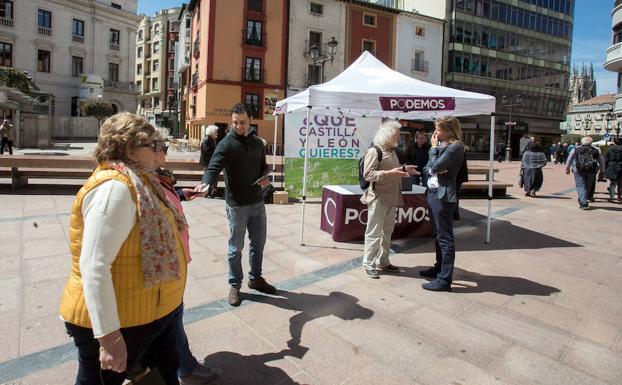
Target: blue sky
[(591, 38)]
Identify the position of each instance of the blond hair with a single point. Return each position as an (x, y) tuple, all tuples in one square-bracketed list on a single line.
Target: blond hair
[(386, 132), (121, 132), (451, 126)]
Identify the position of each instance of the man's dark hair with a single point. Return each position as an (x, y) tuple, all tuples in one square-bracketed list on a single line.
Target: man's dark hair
[(239, 108), (617, 141)]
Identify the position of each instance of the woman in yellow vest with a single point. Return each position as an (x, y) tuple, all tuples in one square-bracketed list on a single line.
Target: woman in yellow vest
[(128, 262)]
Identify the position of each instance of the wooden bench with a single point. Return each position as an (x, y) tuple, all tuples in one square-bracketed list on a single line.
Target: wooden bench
[(480, 187), (21, 168), (481, 171)]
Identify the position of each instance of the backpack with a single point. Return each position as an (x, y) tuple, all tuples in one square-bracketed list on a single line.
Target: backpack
[(364, 183), (584, 156)]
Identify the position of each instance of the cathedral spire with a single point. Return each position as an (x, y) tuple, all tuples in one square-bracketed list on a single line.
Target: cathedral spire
[(583, 71), (591, 70)]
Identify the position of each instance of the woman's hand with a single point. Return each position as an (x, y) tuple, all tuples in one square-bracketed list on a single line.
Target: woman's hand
[(190, 194), (113, 352), (411, 169), (434, 139)]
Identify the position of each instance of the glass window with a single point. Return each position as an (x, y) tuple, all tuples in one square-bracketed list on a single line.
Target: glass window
[(255, 5), (43, 61), (76, 65), (317, 9), (252, 104), (6, 54), (254, 32), (369, 19), (115, 36), (113, 72), (156, 65), (77, 27), (6, 9), (139, 69), (315, 39), (115, 5), (252, 69), (369, 46), (45, 19), (419, 31), (154, 84), (139, 52), (156, 47), (313, 74)]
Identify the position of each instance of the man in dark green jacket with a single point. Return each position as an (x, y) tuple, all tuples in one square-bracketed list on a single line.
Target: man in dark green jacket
[(242, 157)]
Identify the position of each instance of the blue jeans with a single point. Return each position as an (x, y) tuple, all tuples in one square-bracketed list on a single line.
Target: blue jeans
[(441, 216), (241, 218), (187, 362), (584, 182)]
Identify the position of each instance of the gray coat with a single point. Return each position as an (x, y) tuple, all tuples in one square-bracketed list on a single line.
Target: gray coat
[(446, 163)]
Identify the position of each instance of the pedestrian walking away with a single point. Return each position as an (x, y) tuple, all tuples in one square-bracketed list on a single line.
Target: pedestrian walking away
[(613, 169), (584, 161), (446, 158), (208, 145), (126, 247), (531, 168), (242, 157), (6, 137), (383, 172)]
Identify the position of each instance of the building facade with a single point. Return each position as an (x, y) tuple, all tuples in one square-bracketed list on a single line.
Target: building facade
[(509, 49), (238, 55), (60, 43), (419, 47), (315, 24), (593, 116), (182, 67), (156, 38), (370, 26), (614, 54)]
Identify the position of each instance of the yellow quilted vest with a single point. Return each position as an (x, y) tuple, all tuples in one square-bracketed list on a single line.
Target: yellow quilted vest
[(136, 305)]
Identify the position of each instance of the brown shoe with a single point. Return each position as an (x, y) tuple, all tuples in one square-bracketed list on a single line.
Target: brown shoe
[(261, 285), (234, 296)]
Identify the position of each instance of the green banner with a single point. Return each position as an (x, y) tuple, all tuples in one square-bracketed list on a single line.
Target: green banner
[(321, 172)]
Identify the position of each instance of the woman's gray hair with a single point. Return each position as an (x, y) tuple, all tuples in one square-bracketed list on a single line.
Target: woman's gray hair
[(386, 132), (211, 130), (586, 141)]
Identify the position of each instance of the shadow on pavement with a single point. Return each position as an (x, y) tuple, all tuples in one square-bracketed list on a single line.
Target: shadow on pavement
[(471, 282), (311, 307), (253, 369)]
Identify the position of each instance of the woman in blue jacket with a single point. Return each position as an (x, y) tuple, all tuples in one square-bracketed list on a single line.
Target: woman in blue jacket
[(446, 157)]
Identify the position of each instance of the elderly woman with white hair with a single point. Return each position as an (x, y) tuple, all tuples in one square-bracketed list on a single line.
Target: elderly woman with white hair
[(208, 146), (383, 170), (585, 162)]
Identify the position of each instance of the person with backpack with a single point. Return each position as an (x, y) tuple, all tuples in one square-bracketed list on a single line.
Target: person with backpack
[(382, 181), (584, 161), (613, 169)]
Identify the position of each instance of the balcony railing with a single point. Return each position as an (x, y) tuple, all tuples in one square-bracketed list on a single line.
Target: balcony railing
[(45, 31), (77, 38), (252, 75), (195, 79), (195, 48), (114, 46), (255, 39), (123, 86), (4, 22), (420, 66), (614, 58)]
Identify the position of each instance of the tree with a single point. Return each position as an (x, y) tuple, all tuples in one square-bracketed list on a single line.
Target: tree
[(100, 109)]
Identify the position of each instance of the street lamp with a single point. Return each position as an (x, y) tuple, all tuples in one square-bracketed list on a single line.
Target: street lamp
[(510, 103), (318, 58)]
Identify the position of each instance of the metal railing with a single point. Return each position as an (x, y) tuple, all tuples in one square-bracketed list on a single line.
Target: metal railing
[(420, 66), (256, 39), (4, 22), (125, 86), (195, 79), (45, 31), (77, 38), (252, 75), (114, 46), (195, 48)]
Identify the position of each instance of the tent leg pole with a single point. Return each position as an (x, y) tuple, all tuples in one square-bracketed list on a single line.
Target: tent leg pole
[(490, 176), (276, 124), (304, 177)]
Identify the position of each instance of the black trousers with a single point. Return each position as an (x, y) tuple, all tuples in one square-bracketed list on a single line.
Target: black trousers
[(441, 216), (150, 345), (6, 143)]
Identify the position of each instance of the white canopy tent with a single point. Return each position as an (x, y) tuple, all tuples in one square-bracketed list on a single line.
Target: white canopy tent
[(368, 88)]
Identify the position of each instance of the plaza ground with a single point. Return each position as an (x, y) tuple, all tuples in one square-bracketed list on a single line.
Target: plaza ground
[(540, 304)]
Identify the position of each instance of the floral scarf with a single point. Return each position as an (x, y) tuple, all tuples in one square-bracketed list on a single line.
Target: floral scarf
[(160, 260)]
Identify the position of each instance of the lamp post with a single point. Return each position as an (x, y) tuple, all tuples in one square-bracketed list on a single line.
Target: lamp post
[(510, 103), (318, 58)]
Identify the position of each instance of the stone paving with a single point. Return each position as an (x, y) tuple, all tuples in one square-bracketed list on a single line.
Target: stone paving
[(540, 304)]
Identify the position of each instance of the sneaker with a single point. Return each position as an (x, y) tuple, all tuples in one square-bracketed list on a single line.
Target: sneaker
[(391, 268), (261, 285), (437, 285), (432, 272), (201, 375), (372, 273), (234, 296)]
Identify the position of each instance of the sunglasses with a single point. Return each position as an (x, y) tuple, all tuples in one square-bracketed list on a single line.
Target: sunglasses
[(156, 146)]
